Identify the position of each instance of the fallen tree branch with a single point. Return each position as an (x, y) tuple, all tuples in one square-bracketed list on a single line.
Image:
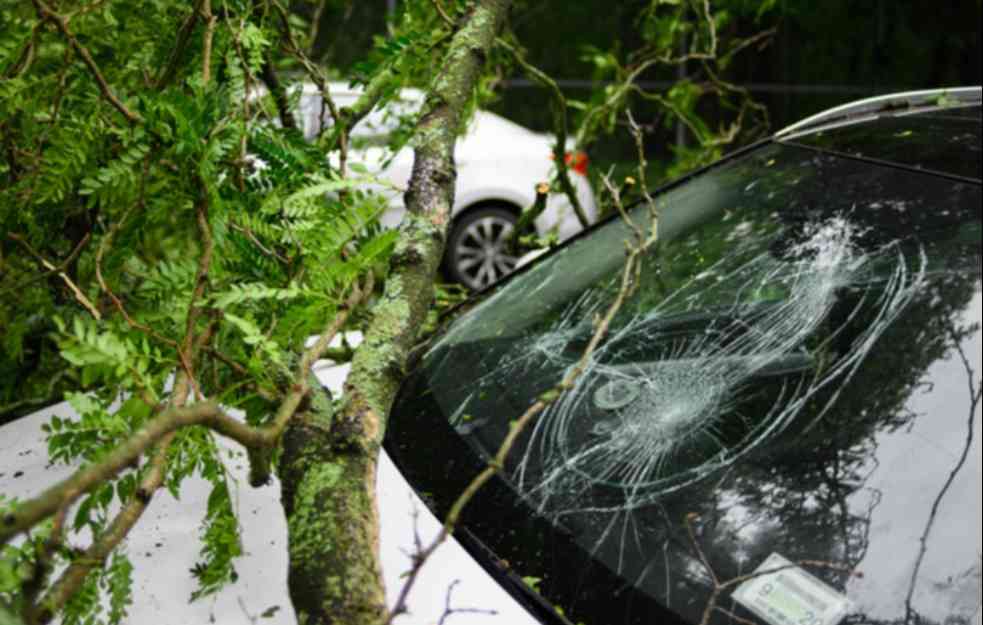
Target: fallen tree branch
[(32, 512), (328, 461), (208, 414)]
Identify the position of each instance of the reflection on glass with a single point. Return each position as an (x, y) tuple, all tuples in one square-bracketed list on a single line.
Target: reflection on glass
[(763, 392)]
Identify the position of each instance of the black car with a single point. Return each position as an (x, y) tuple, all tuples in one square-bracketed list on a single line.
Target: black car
[(782, 425)]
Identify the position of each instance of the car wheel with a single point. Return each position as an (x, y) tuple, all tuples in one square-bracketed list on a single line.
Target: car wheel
[(477, 253)]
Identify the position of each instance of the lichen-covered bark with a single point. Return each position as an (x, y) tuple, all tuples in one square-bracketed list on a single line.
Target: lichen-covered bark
[(328, 499), (327, 468)]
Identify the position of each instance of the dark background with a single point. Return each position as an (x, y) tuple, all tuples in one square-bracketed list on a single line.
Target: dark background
[(824, 53)]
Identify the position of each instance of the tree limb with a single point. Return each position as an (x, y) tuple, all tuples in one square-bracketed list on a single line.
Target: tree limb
[(208, 414), (327, 467), (31, 512)]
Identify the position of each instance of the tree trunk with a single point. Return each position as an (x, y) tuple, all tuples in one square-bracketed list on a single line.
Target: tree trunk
[(328, 463)]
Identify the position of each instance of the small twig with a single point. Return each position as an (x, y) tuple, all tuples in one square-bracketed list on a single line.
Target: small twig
[(712, 23), (95, 556), (439, 7), (79, 295), (206, 60), (720, 587), (249, 234), (184, 34), (529, 217), (750, 41), (350, 116), (316, 24), (247, 92), (448, 610), (690, 518), (734, 617), (104, 247), (617, 94), (52, 121), (636, 132), (269, 77), (319, 79), (559, 106), (45, 13), (185, 350), (59, 268), (27, 55)]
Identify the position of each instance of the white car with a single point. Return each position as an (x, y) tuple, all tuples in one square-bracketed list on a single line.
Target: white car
[(499, 163)]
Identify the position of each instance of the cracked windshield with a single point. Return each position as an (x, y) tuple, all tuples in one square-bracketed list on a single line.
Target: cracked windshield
[(725, 423)]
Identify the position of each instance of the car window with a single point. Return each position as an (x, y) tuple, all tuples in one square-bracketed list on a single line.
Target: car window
[(760, 395), (375, 127)]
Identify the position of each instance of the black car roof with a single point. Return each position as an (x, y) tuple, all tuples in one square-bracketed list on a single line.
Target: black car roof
[(931, 131)]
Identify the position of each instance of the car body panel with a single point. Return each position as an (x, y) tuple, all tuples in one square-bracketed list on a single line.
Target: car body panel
[(497, 161), (164, 546)]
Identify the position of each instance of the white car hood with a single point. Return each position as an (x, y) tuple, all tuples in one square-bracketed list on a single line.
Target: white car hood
[(163, 548)]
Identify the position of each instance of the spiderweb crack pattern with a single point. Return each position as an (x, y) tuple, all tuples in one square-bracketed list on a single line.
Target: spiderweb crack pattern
[(635, 429)]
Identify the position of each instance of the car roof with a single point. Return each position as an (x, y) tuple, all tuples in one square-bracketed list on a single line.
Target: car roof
[(933, 131), (871, 107)]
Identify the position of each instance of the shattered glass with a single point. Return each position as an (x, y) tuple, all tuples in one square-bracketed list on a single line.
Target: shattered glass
[(645, 418), (741, 403)]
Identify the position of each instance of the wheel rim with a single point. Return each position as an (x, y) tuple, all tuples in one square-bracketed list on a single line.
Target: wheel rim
[(481, 251)]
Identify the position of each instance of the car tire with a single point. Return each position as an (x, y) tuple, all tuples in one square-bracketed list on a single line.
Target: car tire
[(476, 254)]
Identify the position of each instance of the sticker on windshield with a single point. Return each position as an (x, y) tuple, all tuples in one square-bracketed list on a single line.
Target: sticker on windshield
[(784, 594)]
